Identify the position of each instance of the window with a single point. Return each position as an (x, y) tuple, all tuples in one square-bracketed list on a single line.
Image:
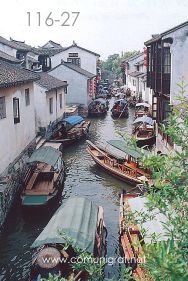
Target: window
[(73, 55), (60, 101), (167, 60), (2, 108), (137, 68), (27, 97), (75, 61), (134, 82), (16, 110), (51, 105)]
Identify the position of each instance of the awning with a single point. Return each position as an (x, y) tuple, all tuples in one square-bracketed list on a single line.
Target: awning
[(77, 218), (155, 225), (47, 154), (129, 150), (142, 104), (73, 120), (144, 119)]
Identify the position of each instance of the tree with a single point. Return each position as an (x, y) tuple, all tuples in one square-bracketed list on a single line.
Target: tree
[(114, 62)]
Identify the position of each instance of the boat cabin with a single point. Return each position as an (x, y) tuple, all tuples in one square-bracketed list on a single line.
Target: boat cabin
[(142, 109), (78, 223), (45, 178)]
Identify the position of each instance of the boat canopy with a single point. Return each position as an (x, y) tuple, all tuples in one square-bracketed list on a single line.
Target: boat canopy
[(155, 225), (45, 154), (144, 119), (74, 120), (129, 150), (121, 101), (144, 104), (101, 100), (77, 218)]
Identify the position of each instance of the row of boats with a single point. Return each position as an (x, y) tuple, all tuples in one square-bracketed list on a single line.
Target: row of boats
[(78, 220), (100, 106), (81, 222)]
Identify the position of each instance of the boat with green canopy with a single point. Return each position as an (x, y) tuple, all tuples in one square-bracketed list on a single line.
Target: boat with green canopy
[(45, 178), (123, 162), (78, 220)]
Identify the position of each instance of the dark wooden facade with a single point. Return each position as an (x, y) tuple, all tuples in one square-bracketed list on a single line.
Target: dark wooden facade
[(159, 78)]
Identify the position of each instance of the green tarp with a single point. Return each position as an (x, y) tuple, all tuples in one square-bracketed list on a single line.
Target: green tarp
[(121, 145), (77, 218), (45, 154), (34, 199)]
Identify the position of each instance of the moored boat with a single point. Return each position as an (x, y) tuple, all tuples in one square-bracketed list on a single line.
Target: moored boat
[(98, 107), (68, 131), (132, 241), (45, 179), (144, 131), (122, 163), (120, 109), (77, 224), (142, 109)]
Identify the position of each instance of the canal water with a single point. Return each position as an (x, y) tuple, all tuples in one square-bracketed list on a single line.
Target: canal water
[(83, 178)]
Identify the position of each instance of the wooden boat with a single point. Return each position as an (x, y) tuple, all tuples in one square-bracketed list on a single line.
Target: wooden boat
[(131, 239), (144, 131), (124, 166), (68, 131), (120, 109), (45, 179), (142, 109), (98, 107), (80, 221)]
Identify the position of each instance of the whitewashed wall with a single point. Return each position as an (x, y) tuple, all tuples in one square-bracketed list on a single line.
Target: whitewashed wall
[(8, 50), (42, 107), (88, 60), (179, 59), (77, 85), (15, 137)]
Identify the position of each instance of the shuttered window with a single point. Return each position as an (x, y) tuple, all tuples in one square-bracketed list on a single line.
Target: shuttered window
[(2, 108)]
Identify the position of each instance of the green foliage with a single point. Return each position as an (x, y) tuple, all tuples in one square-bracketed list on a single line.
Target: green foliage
[(55, 278), (114, 62), (167, 260)]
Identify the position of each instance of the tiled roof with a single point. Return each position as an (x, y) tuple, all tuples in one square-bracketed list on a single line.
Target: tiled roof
[(156, 37), (47, 51), (8, 58), (12, 75), (84, 49), (135, 73), (14, 44), (79, 69), (49, 82), (54, 44)]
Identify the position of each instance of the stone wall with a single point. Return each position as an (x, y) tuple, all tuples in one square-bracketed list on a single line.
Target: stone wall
[(11, 181)]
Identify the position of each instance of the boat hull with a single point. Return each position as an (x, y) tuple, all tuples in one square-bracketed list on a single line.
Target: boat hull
[(146, 141), (97, 114), (120, 114), (126, 177), (49, 200)]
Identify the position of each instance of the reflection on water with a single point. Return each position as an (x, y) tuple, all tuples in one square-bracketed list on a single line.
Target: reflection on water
[(83, 178)]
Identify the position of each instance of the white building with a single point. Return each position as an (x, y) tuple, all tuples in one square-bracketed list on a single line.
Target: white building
[(17, 115), (167, 64), (50, 100), (79, 56), (135, 76), (81, 83)]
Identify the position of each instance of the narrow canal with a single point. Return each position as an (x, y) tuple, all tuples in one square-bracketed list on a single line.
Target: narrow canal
[(84, 178)]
